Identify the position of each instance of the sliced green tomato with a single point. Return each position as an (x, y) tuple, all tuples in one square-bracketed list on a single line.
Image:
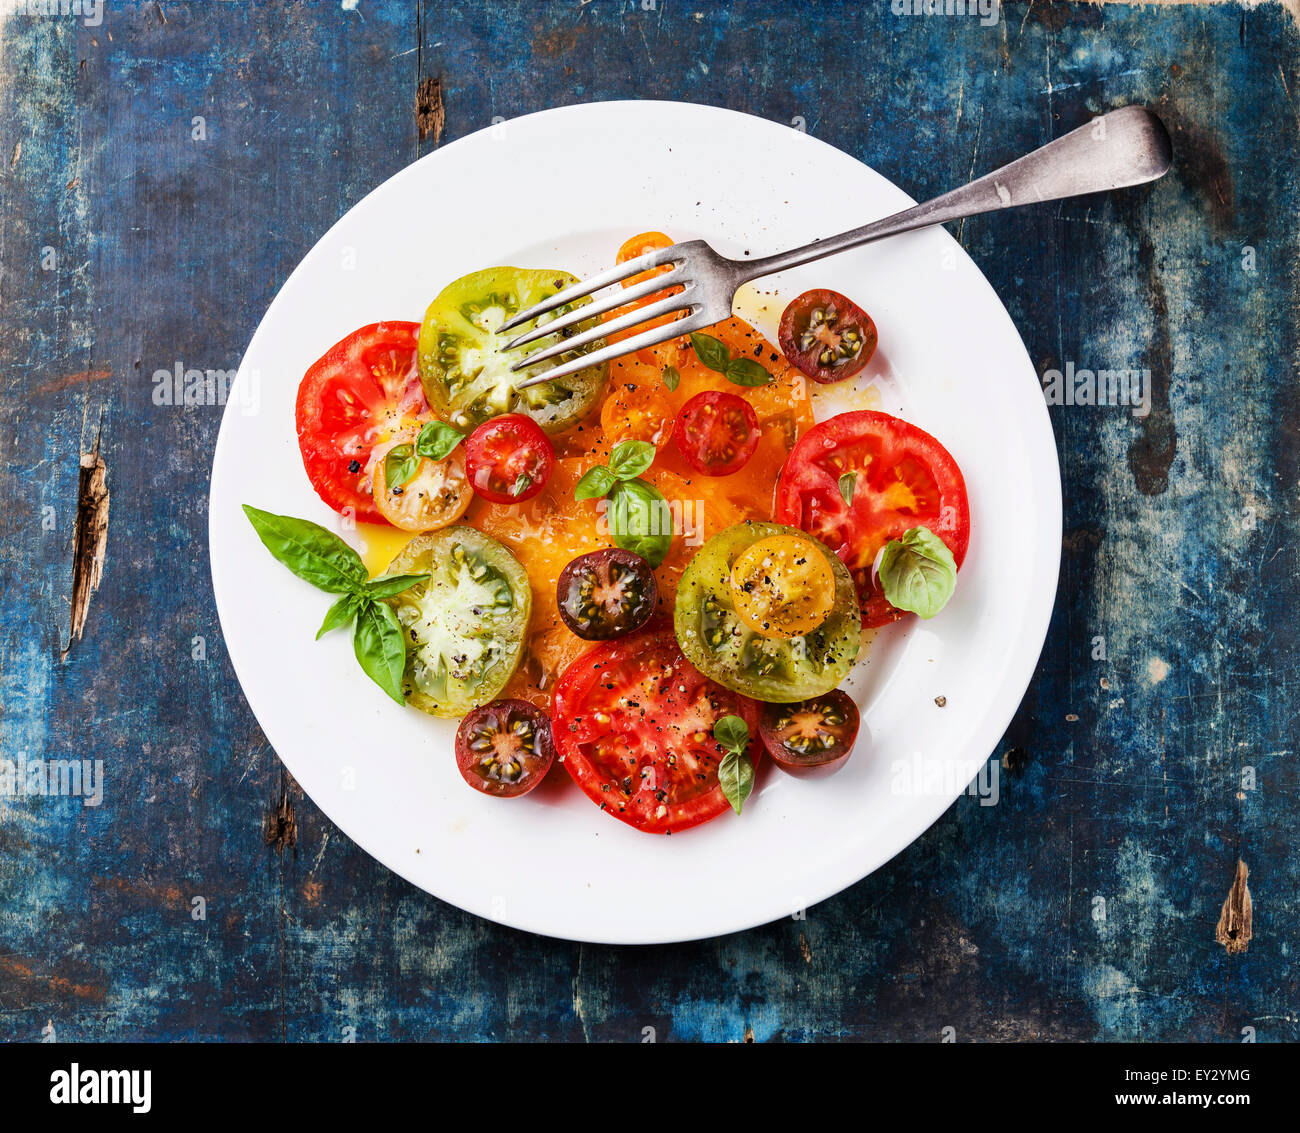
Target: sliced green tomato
[(466, 370), (718, 643), (465, 625)]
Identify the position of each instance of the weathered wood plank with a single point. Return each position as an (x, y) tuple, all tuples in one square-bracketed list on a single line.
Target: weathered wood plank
[(1134, 777)]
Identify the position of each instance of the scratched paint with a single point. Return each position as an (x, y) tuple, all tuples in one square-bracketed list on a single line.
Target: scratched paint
[(1154, 749)]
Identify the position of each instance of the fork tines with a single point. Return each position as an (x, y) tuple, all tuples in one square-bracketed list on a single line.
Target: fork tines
[(678, 301)]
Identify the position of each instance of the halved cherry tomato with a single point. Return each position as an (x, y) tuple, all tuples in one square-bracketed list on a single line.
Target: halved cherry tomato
[(716, 433), (436, 494), (633, 725), (827, 335), (639, 245), (813, 737), (360, 394), (504, 749), (606, 594), (897, 477), (509, 459)]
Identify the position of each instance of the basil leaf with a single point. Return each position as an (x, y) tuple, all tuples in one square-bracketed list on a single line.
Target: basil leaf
[(340, 614), (711, 351), (400, 465), (630, 458), (732, 733), (671, 378), (746, 372), (736, 777), (437, 440), (918, 572), (594, 484), (388, 585), (848, 482), (640, 521), (380, 647), (312, 553), (522, 483)]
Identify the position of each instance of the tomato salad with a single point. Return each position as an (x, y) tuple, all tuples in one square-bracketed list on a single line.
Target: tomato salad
[(652, 572)]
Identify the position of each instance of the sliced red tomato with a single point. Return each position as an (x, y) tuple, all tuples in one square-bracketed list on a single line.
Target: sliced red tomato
[(716, 433), (827, 335), (633, 724), (509, 459), (360, 394), (896, 477)]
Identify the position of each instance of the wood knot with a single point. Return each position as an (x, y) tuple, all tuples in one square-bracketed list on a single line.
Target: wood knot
[(281, 827), (1234, 928), (1015, 759), (430, 117), (89, 541)]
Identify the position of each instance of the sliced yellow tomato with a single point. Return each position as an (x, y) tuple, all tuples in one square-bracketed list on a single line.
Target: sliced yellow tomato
[(435, 496), (637, 412), (782, 586)]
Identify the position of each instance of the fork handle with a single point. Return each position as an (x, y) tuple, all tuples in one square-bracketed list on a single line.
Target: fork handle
[(1129, 146)]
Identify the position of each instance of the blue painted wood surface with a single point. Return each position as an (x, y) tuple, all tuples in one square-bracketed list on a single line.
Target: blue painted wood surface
[(1083, 905)]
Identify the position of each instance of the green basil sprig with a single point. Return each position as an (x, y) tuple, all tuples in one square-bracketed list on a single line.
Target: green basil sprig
[(400, 464), (639, 520), (918, 572), (437, 440), (637, 510), (380, 646), (323, 559), (595, 484), (671, 378), (740, 370), (735, 772)]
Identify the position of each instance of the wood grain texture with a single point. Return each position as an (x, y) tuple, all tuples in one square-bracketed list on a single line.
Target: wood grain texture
[(160, 176)]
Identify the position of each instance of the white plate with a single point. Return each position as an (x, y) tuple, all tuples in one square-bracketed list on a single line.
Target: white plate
[(950, 360)]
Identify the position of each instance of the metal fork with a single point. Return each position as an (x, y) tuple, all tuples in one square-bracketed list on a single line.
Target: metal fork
[(1125, 147)]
